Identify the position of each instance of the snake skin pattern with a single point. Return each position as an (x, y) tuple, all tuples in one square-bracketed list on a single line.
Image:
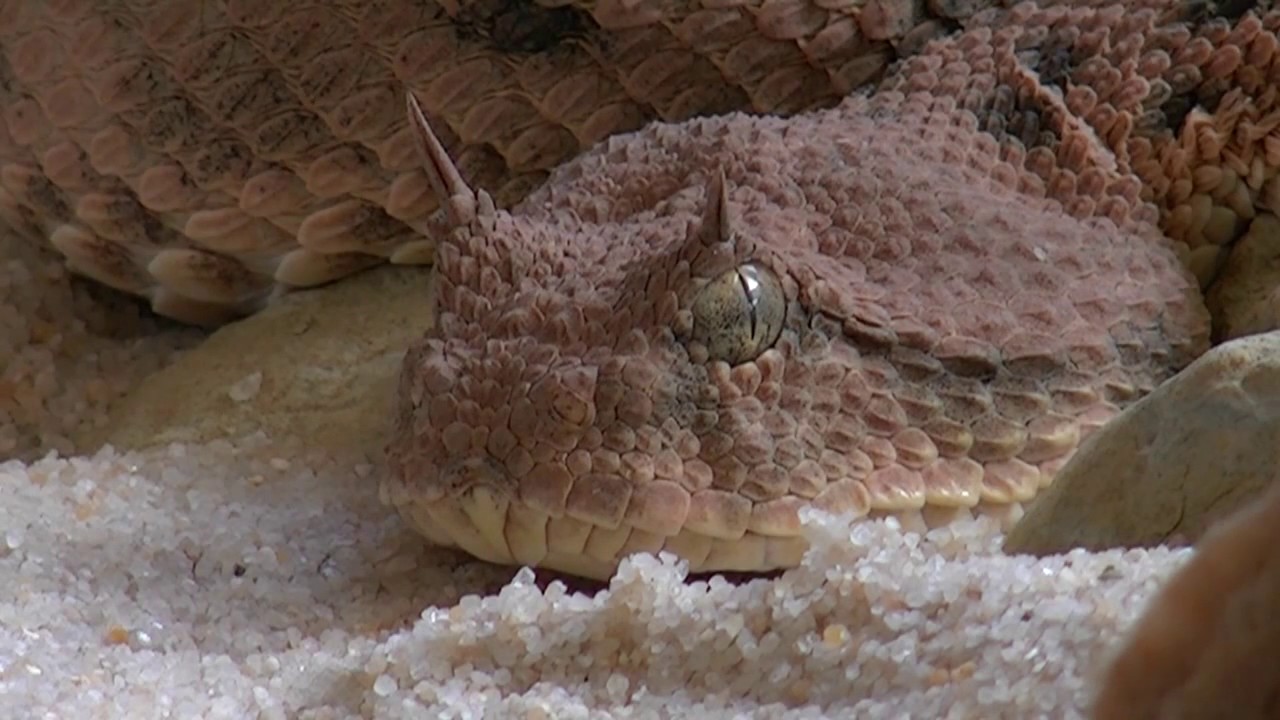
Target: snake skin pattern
[(209, 154), (989, 248), (968, 259)]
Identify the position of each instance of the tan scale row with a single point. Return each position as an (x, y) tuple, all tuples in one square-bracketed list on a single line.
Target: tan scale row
[(491, 528), (265, 145)]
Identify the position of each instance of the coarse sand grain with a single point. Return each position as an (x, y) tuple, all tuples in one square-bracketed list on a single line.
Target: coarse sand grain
[(255, 579)]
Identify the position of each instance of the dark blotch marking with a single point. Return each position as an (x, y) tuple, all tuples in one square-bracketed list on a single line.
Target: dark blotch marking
[(1196, 15), (513, 26), (1202, 11), (1010, 116), (1054, 61), (1176, 109)]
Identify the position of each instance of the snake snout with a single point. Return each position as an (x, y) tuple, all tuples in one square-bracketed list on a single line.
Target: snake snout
[(464, 475)]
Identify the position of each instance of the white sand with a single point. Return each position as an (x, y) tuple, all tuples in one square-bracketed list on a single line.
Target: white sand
[(252, 580)]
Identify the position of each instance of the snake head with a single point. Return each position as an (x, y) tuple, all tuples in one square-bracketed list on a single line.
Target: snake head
[(588, 360), (691, 333)]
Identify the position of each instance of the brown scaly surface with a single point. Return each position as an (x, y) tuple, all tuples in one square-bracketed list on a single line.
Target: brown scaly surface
[(971, 274), (207, 154), (916, 303)]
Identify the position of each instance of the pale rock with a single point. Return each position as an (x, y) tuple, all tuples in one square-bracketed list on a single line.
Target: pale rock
[(319, 365), (1194, 451)]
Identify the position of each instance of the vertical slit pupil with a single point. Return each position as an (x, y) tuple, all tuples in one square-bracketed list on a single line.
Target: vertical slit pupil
[(745, 282)]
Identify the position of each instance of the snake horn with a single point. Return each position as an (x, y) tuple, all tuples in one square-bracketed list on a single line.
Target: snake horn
[(461, 203)]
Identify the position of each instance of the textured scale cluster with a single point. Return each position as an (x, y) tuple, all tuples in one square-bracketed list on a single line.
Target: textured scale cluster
[(209, 154), (979, 256), (1185, 103), (975, 277), (951, 334)]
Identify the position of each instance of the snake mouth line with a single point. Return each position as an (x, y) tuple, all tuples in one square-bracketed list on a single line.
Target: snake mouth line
[(492, 527), (496, 529)]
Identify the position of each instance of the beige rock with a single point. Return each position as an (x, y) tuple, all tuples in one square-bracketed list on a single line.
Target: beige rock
[(1200, 447), (1245, 298), (318, 365), (1205, 647)]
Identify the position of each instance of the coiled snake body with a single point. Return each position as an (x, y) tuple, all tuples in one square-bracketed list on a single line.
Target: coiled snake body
[(916, 301)]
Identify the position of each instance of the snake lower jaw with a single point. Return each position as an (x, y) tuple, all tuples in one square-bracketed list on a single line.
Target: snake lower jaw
[(492, 527)]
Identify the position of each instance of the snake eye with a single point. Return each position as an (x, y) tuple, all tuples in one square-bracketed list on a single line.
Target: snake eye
[(739, 315)]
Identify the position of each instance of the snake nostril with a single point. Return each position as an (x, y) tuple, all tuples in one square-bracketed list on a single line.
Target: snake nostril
[(468, 473)]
